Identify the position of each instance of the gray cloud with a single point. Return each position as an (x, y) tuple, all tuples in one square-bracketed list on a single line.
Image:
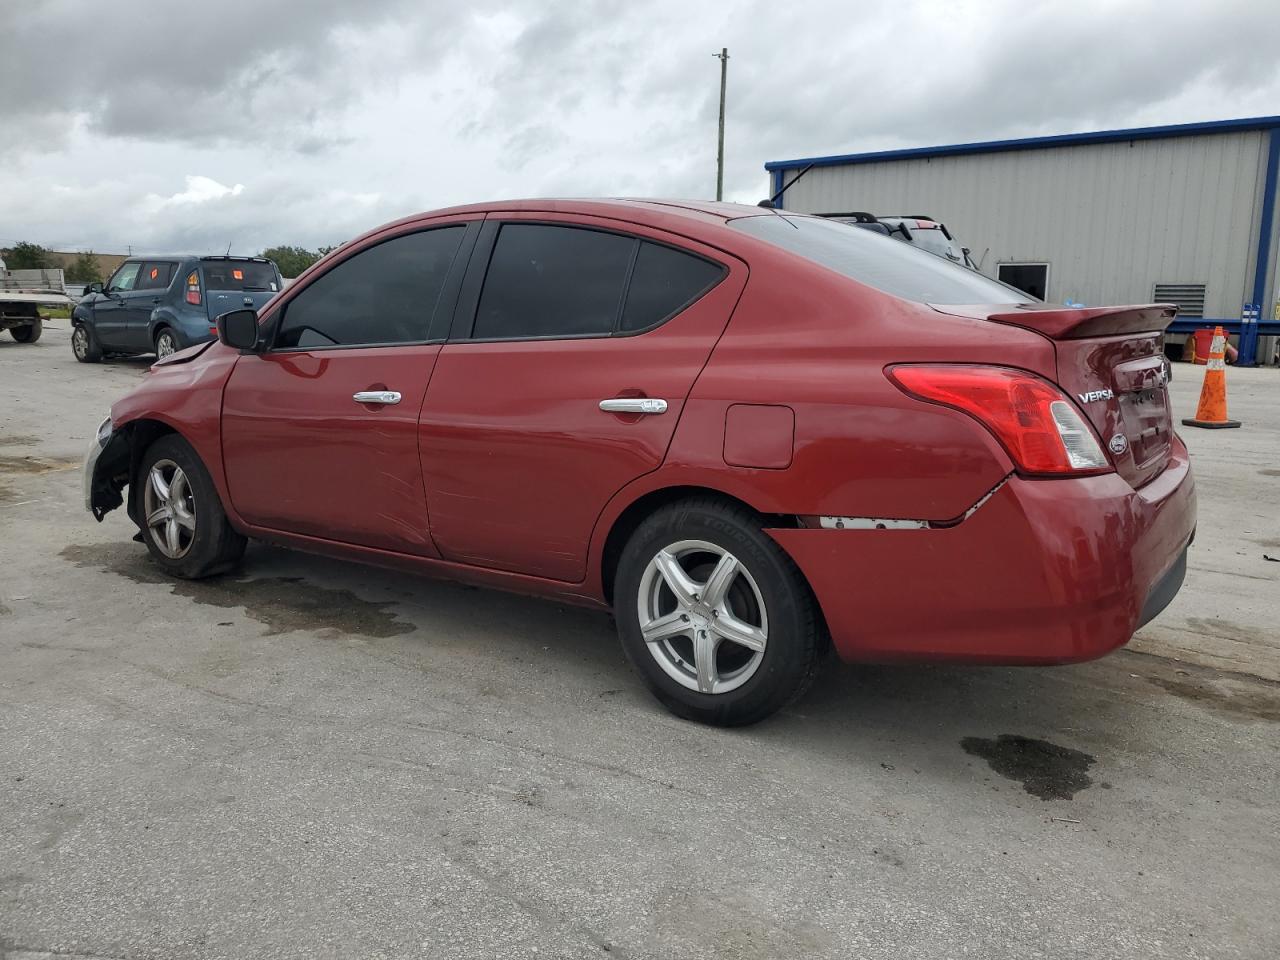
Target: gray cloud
[(231, 70), (334, 115)]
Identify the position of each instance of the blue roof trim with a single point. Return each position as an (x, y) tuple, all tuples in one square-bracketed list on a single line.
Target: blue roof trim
[(1035, 143)]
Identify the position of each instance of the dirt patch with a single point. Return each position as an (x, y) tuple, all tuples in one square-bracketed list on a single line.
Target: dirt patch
[(1270, 473), (282, 604), (23, 440), (1044, 769), (33, 465)]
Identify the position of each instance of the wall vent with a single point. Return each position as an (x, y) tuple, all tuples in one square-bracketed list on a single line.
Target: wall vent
[(1188, 296)]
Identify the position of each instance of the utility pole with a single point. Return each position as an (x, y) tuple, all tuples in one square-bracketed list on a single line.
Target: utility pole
[(723, 57)]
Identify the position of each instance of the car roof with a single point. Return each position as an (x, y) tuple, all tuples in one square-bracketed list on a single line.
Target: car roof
[(646, 210), (153, 257)]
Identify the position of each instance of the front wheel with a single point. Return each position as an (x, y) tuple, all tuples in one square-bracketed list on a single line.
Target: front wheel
[(714, 616), (83, 345), (29, 332), (183, 523)]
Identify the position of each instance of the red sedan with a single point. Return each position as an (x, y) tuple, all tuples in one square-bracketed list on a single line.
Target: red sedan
[(751, 434)]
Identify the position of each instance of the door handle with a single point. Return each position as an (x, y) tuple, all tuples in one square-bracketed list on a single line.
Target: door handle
[(634, 405), (376, 396)]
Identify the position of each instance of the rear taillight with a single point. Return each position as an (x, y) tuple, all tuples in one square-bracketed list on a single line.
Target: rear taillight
[(1034, 420), (193, 288)]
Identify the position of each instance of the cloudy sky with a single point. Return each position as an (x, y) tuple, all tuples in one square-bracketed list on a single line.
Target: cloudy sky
[(188, 127)]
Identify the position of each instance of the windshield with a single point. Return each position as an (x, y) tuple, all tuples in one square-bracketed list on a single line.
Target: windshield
[(894, 267), (240, 275)]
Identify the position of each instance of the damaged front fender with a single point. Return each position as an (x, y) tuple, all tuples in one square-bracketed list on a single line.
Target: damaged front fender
[(106, 469)]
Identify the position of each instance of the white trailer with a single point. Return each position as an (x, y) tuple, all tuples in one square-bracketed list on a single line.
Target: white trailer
[(23, 293)]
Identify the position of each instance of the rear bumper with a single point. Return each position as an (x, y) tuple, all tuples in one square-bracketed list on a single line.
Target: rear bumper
[(1046, 571)]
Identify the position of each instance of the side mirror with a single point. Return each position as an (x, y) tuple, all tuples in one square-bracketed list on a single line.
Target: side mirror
[(239, 329), (92, 288)]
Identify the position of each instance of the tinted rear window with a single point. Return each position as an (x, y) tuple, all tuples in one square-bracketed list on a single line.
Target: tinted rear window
[(549, 281), (154, 276), (897, 268), (240, 275), (663, 283)]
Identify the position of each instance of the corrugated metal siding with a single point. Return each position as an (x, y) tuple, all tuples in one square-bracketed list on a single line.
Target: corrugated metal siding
[(1112, 219)]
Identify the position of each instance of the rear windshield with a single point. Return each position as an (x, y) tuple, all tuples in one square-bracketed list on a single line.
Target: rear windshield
[(240, 275), (897, 268)]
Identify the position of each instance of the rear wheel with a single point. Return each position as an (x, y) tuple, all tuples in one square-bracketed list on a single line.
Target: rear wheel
[(83, 345), (714, 616), (28, 333), (183, 523), (166, 343)]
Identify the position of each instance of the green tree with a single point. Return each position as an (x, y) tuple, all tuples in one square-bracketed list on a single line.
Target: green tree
[(291, 260), (27, 256), (84, 269)]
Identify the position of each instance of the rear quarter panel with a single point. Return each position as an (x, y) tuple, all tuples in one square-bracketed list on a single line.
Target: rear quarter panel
[(808, 339)]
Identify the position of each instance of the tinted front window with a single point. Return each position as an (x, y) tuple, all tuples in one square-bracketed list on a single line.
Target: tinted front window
[(897, 268), (663, 282), (385, 294), (240, 275), (125, 277), (550, 281), (154, 276)]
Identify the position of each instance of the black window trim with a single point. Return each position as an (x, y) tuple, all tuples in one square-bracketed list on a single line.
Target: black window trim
[(446, 300), (468, 305)]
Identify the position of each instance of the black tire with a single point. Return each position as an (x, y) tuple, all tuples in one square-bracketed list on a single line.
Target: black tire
[(84, 345), (795, 641), (166, 336), (213, 547), (28, 333)]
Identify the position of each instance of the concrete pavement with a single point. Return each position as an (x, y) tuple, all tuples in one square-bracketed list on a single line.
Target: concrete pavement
[(315, 759)]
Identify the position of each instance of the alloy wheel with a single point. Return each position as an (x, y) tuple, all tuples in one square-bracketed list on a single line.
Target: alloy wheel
[(702, 616), (165, 345), (80, 341), (170, 509)]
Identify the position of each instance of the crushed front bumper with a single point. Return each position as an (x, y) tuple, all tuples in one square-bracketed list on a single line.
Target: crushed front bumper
[(106, 465)]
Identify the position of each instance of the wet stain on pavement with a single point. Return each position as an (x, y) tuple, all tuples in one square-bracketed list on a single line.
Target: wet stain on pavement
[(1270, 473), (282, 604), (1253, 698), (19, 440), (1044, 769)]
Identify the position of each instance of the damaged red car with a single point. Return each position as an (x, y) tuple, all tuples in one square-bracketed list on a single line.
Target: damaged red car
[(751, 434)]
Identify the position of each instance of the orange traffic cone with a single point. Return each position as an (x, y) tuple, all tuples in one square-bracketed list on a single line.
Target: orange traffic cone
[(1212, 411)]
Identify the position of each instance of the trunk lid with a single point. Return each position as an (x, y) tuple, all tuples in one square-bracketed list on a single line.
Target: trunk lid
[(1111, 362)]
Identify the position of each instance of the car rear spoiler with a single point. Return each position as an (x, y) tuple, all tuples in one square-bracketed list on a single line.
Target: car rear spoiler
[(1075, 323), (1070, 323)]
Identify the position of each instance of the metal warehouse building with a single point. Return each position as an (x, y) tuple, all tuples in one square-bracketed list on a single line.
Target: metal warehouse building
[(1183, 214)]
